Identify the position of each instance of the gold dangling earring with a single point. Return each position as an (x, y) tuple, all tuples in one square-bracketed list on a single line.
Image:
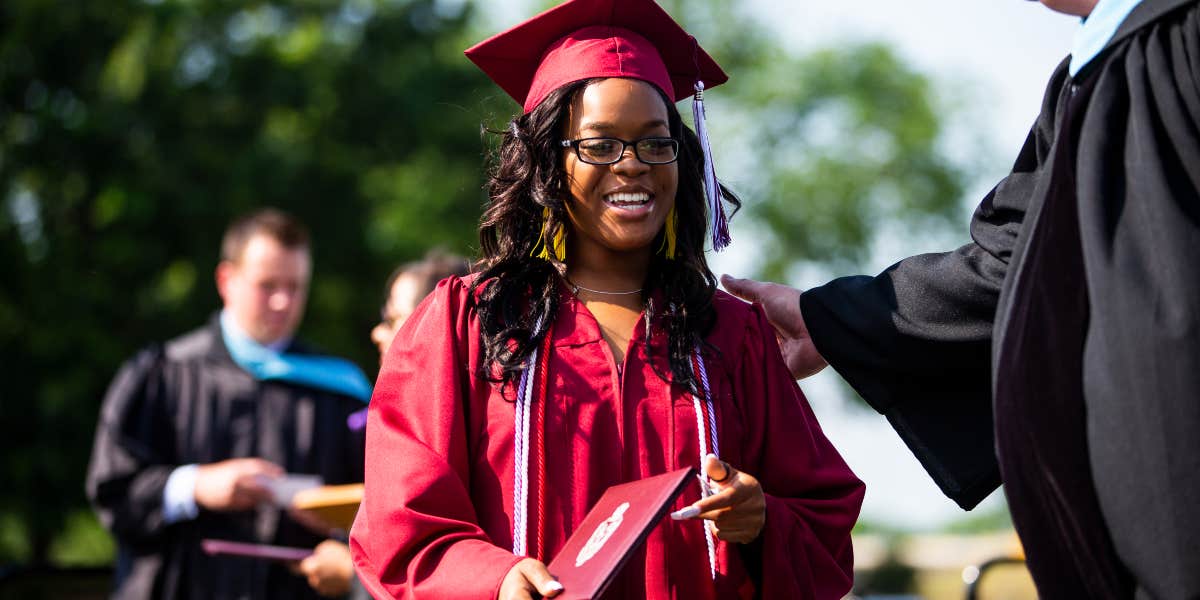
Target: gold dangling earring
[(541, 243), (669, 235), (559, 244)]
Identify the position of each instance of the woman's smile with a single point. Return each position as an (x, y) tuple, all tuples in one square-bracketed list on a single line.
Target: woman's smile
[(630, 203)]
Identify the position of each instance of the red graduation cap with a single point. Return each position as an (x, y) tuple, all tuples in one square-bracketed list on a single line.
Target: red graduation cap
[(585, 39), (582, 39)]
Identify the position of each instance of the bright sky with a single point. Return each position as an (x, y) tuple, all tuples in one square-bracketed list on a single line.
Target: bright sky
[(1002, 52)]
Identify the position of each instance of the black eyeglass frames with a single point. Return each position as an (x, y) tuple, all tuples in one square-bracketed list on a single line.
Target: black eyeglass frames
[(607, 151)]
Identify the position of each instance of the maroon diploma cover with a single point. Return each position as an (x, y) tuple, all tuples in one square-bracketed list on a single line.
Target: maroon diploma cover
[(612, 530)]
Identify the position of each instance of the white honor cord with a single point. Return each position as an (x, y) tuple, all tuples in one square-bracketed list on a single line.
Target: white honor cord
[(522, 406), (705, 449), (520, 465)]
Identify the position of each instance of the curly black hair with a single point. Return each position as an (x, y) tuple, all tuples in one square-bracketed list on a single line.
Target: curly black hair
[(515, 290)]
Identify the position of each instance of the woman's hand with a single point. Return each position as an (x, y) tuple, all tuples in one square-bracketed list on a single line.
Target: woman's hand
[(527, 578), (736, 510)]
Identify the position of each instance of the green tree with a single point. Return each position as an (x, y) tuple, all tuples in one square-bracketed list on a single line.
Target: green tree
[(852, 142), (131, 131), (830, 149)]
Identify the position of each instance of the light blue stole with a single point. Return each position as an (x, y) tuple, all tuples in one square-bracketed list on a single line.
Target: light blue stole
[(1097, 29), (326, 373)]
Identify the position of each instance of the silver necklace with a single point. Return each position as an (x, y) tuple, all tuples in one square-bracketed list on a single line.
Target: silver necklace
[(575, 287)]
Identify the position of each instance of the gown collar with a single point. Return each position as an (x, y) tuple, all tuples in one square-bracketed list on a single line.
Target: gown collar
[(577, 325)]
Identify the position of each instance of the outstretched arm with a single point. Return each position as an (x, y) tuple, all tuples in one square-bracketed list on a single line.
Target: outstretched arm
[(915, 341)]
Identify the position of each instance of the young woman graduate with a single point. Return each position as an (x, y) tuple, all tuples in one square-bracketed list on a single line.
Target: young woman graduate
[(593, 349)]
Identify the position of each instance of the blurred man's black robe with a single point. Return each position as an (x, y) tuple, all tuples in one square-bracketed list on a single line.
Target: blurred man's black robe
[(1073, 319), (188, 402)]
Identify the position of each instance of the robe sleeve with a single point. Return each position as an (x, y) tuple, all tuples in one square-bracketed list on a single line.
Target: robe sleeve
[(132, 456), (812, 497), (915, 341), (416, 534)]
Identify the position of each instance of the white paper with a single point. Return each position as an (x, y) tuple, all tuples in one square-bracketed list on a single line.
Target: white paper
[(286, 487)]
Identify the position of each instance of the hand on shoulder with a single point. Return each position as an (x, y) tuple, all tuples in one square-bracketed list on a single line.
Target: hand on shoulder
[(782, 307)]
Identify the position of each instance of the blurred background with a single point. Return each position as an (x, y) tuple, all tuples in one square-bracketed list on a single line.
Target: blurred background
[(132, 131)]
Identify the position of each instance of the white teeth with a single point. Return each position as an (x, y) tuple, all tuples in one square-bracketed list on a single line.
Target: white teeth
[(627, 198)]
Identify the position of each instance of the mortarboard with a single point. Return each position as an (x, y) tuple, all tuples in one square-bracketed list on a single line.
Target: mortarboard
[(585, 39), (582, 39)]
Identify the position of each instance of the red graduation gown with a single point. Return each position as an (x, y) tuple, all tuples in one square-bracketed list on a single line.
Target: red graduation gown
[(436, 519)]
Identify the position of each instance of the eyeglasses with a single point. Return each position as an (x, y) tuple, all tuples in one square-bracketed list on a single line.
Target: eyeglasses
[(607, 151)]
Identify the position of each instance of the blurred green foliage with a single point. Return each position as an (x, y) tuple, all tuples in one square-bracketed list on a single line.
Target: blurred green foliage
[(830, 148), (132, 131), (853, 141)]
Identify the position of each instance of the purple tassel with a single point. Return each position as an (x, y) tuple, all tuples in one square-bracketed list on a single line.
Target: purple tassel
[(720, 223)]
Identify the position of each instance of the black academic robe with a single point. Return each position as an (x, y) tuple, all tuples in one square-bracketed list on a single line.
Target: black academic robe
[(188, 402), (1060, 350)]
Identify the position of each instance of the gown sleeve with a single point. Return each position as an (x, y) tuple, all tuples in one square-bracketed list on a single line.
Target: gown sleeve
[(416, 534), (915, 341), (132, 455), (812, 496)]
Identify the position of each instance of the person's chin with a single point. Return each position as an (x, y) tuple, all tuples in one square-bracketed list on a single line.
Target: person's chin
[(632, 246), (275, 334)]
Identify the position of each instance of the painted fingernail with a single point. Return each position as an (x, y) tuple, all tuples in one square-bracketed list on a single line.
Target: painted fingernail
[(554, 586), (685, 513)]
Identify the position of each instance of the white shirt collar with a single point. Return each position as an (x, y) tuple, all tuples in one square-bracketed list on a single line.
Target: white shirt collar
[(232, 329)]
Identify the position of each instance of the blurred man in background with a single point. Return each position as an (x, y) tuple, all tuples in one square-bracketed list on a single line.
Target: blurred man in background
[(196, 435)]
